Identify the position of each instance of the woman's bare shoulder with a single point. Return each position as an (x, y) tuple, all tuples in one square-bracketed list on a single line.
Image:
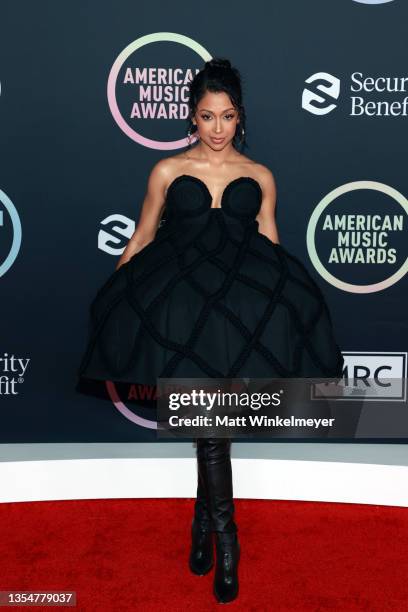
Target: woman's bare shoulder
[(262, 174), (167, 165), (166, 168)]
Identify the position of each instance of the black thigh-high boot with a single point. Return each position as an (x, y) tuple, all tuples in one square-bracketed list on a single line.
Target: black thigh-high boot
[(201, 554), (214, 459)]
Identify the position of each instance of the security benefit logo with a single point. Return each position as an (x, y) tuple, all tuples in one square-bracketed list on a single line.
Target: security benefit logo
[(12, 372), (148, 88), (357, 95), (357, 237), (114, 234)]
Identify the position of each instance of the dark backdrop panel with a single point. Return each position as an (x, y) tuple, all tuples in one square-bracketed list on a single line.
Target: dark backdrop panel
[(66, 166)]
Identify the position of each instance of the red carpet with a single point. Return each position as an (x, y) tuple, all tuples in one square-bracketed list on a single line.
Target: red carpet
[(125, 554)]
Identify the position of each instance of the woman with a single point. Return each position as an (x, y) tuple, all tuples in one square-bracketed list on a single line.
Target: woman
[(206, 290)]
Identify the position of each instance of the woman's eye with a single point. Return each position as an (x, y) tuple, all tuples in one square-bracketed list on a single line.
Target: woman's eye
[(205, 117)]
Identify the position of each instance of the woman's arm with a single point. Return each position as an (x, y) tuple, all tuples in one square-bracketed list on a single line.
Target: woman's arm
[(152, 209), (266, 215)]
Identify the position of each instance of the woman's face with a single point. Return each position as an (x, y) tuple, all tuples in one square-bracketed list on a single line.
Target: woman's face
[(216, 119)]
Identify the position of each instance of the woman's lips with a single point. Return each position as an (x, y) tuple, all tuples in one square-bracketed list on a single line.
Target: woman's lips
[(217, 140)]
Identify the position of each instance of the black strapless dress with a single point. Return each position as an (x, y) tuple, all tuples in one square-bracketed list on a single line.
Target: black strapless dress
[(209, 297)]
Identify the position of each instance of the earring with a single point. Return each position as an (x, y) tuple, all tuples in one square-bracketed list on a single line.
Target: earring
[(242, 134), (189, 135)]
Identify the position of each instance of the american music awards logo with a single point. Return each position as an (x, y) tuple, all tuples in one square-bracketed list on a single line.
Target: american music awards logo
[(140, 415), (356, 236), (148, 101), (373, 1), (10, 230), (10, 233)]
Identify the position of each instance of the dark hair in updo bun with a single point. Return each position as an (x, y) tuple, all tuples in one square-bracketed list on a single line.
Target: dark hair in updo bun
[(219, 62), (218, 75)]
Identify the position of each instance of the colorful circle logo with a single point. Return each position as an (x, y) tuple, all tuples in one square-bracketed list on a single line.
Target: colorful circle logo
[(16, 230), (125, 411), (113, 79), (360, 238)]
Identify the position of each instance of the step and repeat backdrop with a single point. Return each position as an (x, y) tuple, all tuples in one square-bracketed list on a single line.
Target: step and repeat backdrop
[(93, 94)]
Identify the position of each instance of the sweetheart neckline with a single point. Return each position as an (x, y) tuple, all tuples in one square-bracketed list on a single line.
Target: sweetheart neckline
[(201, 182)]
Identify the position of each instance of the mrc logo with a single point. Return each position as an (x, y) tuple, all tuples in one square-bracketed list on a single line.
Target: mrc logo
[(382, 375)]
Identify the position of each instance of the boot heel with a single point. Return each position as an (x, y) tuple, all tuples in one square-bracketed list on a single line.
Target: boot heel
[(226, 584), (201, 558)]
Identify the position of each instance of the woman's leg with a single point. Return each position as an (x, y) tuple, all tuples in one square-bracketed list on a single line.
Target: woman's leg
[(214, 466), (214, 463), (201, 554), (201, 509)]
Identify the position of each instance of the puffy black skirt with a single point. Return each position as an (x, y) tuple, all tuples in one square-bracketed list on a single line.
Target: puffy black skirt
[(210, 300)]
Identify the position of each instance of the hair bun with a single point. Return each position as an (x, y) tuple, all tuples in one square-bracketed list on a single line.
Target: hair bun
[(219, 62)]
